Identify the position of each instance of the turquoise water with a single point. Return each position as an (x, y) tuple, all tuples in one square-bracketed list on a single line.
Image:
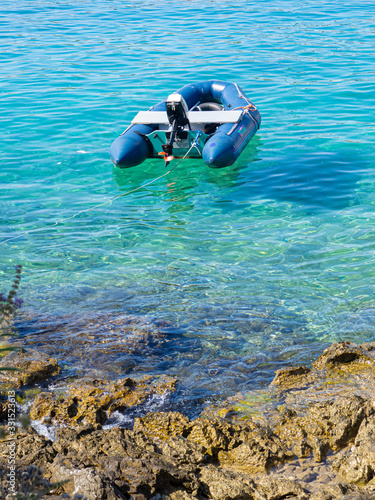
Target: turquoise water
[(216, 276)]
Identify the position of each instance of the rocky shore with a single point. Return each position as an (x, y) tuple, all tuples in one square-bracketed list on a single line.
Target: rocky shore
[(310, 435)]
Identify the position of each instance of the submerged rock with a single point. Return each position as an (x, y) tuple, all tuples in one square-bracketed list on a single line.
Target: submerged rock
[(31, 366), (289, 377)]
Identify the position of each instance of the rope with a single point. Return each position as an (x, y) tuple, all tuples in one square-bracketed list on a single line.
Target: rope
[(110, 201), (250, 105), (247, 108)]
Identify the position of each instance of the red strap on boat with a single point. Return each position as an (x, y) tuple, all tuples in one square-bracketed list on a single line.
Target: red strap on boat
[(249, 106)]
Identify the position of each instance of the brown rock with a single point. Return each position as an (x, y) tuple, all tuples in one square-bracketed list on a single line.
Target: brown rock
[(125, 460), (29, 449), (93, 401), (330, 424), (275, 489), (291, 432), (358, 464), (180, 451), (341, 354), (168, 456), (332, 491), (225, 485), (261, 451), (163, 425), (213, 434), (83, 481), (340, 419), (32, 366), (290, 377), (358, 495), (180, 495)]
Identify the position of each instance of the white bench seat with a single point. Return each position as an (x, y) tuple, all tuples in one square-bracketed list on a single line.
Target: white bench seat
[(195, 117)]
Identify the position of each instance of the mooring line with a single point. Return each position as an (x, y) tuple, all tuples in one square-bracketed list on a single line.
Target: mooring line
[(60, 221)]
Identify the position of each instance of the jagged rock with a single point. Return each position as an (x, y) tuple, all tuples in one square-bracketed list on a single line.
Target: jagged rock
[(30, 482), (293, 434), (358, 495), (286, 378), (225, 485), (90, 484), (358, 464), (180, 495), (83, 481), (214, 435), (163, 425), (330, 424), (167, 456), (32, 366), (29, 448), (180, 451), (340, 418), (333, 491), (127, 460), (93, 401), (342, 354), (241, 447), (275, 489), (261, 451)]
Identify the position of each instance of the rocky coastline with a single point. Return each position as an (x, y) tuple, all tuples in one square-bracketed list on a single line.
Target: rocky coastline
[(309, 435)]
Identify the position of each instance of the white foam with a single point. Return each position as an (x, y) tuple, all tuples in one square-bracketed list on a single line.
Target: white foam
[(48, 432), (156, 402), (117, 419)]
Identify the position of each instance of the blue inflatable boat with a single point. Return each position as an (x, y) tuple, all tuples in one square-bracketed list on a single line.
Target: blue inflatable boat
[(213, 120)]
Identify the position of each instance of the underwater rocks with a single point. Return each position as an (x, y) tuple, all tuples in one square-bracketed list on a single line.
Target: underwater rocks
[(310, 435), (32, 366), (100, 343)]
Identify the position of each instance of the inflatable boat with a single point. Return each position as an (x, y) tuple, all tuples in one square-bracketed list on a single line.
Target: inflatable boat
[(213, 120)]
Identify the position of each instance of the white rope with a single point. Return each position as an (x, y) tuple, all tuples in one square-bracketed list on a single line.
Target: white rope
[(240, 94), (59, 221)]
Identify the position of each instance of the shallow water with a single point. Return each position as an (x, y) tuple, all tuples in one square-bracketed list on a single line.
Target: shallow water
[(216, 276)]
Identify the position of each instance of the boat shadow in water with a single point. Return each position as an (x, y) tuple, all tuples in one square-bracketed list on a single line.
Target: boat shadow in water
[(318, 180), (189, 174)]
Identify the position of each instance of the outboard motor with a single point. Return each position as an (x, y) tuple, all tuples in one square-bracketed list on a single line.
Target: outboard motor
[(177, 112), (177, 109)]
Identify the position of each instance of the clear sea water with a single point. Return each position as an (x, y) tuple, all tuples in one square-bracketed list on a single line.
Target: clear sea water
[(218, 277)]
